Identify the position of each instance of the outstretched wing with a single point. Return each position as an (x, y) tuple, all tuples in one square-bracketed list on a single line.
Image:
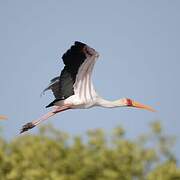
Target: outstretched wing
[(75, 78)]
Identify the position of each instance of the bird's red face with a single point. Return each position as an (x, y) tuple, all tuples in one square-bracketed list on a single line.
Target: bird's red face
[(132, 103)]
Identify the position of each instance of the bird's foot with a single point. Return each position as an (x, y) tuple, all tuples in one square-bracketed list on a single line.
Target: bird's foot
[(27, 126)]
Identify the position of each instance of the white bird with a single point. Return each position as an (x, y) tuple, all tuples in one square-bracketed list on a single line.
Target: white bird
[(73, 89)]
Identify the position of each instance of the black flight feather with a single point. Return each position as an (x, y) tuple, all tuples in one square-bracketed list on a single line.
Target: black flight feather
[(73, 59)]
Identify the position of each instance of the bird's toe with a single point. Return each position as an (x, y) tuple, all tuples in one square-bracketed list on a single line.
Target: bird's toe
[(26, 127)]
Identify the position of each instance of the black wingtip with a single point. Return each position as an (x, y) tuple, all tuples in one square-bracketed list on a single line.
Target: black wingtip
[(26, 127), (79, 43)]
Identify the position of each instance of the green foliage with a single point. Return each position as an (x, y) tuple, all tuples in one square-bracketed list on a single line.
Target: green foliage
[(52, 155)]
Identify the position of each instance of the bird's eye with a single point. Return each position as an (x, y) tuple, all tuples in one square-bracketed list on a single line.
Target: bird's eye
[(129, 102)]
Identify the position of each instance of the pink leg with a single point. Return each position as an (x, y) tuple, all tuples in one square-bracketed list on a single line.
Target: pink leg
[(32, 124)]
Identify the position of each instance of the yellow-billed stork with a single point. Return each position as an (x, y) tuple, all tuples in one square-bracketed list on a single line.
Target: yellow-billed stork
[(2, 117), (73, 89)]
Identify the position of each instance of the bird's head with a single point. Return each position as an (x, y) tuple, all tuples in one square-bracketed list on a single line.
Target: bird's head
[(131, 103)]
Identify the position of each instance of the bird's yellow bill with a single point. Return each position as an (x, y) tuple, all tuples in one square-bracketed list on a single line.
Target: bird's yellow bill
[(2, 117), (142, 106)]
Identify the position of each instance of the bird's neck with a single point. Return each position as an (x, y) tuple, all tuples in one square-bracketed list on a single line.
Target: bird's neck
[(110, 104)]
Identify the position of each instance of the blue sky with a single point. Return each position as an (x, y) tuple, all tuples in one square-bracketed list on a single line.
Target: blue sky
[(138, 42)]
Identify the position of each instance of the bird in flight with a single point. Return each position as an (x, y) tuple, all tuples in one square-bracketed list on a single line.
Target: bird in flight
[(73, 89), (2, 117)]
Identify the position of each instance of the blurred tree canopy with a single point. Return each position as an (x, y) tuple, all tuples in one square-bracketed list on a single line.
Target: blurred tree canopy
[(52, 155)]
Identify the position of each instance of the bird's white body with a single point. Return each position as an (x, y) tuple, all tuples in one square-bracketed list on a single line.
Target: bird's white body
[(83, 103)]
